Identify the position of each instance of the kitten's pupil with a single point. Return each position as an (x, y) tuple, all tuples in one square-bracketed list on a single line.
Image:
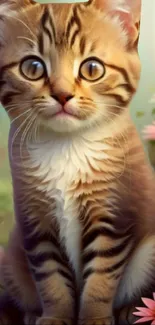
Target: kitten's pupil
[(34, 67), (92, 68)]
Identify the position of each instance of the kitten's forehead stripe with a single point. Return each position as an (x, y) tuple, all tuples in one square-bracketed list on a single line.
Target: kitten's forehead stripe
[(41, 44), (44, 20), (48, 29), (74, 21), (82, 45), (52, 26), (69, 26)]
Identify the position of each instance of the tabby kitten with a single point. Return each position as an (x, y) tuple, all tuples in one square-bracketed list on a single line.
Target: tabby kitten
[(84, 240)]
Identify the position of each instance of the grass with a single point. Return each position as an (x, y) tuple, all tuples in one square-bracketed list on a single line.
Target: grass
[(6, 204), (6, 210)]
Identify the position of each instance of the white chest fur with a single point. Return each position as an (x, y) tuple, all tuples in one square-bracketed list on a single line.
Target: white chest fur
[(60, 162)]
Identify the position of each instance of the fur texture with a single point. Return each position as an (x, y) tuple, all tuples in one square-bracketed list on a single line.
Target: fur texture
[(84, 240)]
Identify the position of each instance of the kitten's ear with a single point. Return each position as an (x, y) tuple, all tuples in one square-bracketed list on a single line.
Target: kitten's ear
[(128, 12)]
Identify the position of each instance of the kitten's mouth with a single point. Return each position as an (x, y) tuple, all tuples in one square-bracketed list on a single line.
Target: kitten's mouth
[(64, 112)]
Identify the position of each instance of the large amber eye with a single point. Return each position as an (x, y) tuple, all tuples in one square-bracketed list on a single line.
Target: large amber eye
[(32, 68), (92, 69)]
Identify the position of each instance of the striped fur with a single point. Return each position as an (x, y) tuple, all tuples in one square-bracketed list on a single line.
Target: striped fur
[(83, 191)]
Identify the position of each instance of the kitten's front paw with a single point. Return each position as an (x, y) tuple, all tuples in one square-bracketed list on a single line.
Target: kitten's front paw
[(125, 316), (53, 321), (103, 321), (4, 320), (30, 319)]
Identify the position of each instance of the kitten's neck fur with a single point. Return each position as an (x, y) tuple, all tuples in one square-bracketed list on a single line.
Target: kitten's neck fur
[(78, 156), (64, 143), (99, 132)]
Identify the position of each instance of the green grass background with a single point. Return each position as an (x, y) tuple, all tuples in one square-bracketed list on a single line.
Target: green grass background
[(6, 204)]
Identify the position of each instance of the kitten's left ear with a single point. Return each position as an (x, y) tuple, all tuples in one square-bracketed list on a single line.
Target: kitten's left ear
[(128, 12)]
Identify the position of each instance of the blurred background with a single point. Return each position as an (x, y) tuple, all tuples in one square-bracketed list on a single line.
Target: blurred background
[(142, 113)]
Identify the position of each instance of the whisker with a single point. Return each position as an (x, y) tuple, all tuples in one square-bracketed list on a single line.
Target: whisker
[(25, 133), (35, 131), (16, 134), (11, 108), (24, 24), (106, 104), (27, 39), (20, 115)]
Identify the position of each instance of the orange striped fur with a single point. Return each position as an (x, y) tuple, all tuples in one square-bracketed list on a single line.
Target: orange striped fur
[(83, 246)]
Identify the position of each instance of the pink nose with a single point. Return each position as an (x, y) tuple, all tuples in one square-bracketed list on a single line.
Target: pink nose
[(62, 97)]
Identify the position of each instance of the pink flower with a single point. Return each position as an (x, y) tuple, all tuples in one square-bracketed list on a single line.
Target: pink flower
[(146, 314), (149, 132)]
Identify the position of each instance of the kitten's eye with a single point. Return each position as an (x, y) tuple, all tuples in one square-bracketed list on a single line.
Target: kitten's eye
[(92, 69), (32, 68)]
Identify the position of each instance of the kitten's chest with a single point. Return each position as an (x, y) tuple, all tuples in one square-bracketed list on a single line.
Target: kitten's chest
[(60, 167), (58, 171)]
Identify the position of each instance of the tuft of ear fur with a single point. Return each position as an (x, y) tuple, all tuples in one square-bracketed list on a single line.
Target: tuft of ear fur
[(14, 4), (128, 13)]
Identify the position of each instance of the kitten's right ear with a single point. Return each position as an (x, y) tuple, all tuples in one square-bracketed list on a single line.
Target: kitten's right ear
[(128, 13)]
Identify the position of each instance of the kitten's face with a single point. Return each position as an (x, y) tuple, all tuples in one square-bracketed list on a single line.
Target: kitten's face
[(67, 67)]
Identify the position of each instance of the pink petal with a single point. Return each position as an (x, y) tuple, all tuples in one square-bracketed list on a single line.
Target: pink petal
[(154, 292), (139, 313), (149, 132), (150, 303), (143, 320), (153, 323), (148, 135), (145, 311)]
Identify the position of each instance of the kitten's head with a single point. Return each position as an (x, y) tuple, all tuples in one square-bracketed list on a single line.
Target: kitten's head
[(68, 67)]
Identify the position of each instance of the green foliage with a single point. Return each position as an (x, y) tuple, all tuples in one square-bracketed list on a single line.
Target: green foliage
[(6, 210), (140, 114), (6, 206), (5, 197)]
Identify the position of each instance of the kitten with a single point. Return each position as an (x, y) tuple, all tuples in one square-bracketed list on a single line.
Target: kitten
[(84, 240)]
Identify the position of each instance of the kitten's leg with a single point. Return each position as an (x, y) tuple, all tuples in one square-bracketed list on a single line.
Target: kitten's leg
[(125, 315), (138, 281), (54, 279), (16, 277), (9, 313), (105, 253)]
